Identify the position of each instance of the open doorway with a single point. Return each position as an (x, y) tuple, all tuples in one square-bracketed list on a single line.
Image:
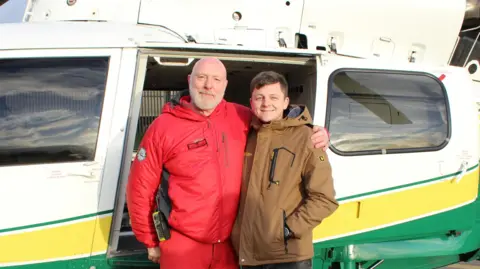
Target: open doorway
[(165, 76)]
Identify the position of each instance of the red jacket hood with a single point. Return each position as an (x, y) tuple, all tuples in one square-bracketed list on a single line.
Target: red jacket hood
[(184, 109)]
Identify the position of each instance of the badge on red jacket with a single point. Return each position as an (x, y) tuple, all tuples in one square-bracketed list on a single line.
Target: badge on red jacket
[(142, 154)]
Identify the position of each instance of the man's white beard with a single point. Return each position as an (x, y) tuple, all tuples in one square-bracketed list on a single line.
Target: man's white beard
[(199, 101)]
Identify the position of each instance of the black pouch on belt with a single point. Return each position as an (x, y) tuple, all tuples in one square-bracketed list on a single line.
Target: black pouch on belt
[(161, 226)]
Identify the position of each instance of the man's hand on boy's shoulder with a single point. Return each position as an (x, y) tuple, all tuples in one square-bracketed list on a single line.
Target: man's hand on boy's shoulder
[(320, 137)]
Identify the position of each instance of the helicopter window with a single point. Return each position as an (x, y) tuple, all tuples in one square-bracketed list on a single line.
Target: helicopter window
[(372, 112), (50, 109)]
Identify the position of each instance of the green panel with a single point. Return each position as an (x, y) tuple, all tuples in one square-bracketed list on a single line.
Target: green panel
[(416, 263), (75, 263), (132, 261), (99, 261)]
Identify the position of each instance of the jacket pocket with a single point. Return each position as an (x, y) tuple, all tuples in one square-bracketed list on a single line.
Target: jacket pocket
[(281, 228), (284, 226), (276, 228), (269, 238)]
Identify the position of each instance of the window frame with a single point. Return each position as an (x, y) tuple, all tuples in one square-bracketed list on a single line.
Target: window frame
[(113, 56), (387, 151)]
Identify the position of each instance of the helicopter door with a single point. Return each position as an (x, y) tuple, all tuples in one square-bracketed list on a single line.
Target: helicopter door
[(55, 111)]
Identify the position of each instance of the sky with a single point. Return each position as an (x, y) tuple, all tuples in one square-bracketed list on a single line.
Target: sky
[(12, 11)]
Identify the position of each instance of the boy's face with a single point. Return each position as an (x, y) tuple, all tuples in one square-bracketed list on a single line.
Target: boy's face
[(269, 102)]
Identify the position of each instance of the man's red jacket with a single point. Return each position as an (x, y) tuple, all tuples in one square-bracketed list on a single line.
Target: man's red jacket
[(204, 156)]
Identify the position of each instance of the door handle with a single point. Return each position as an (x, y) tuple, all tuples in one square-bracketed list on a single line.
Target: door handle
[(463, 171), (92, 173)]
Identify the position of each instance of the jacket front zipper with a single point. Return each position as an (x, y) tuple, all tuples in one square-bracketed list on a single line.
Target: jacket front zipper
[(225, 145), (212, 127), (221, 172)]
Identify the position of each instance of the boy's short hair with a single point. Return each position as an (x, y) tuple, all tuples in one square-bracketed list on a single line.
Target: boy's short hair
[(267, 78)]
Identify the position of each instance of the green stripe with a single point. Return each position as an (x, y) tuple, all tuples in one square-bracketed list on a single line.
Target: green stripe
[(404, 186), (98, 261), (56, 221)]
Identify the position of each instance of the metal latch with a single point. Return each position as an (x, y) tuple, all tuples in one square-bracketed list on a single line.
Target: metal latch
[(463, 171)]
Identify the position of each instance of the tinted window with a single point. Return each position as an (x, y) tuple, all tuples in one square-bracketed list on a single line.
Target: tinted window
[(50, 109), (375, 112)]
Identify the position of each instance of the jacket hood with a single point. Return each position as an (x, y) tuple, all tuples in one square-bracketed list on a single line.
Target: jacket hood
[(294, 115), (181, 106)]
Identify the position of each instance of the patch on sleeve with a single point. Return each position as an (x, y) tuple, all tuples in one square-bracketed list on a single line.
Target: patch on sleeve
[(141, 154)]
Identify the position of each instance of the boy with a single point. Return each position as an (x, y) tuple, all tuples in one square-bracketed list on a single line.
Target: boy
[(287, 186)]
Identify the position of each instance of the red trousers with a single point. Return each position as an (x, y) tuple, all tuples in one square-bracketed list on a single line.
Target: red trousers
[(181, 252)]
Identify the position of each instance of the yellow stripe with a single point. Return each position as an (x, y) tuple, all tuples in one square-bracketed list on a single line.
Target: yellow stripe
[(89, 236), (57, 242), (389, 208), (102, 234)]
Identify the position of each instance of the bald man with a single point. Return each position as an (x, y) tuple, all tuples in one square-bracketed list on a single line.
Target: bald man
[(200, 140)]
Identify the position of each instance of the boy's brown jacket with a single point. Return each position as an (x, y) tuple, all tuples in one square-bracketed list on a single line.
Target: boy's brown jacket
[(300, 194)]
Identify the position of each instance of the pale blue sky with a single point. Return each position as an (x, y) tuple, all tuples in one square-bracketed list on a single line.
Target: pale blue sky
[(12, 11)]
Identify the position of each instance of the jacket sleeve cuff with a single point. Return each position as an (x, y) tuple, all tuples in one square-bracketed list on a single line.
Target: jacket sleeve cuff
[(151, 244)]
